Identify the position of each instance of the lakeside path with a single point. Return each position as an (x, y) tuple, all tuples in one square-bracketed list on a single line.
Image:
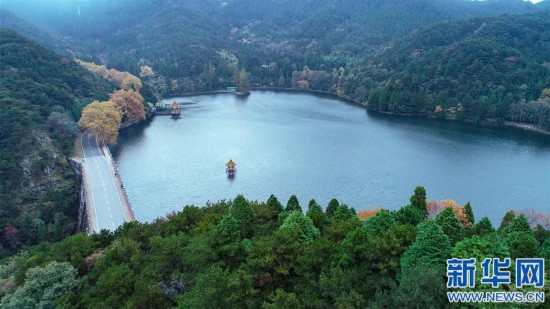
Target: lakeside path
[(108, 206)]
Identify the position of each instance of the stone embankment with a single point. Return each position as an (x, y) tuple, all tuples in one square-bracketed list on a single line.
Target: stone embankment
[(125, 200)]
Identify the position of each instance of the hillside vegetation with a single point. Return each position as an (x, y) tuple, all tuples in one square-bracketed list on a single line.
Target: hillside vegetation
[(477, 69), (244, 254), (197, 45), (42, 94)]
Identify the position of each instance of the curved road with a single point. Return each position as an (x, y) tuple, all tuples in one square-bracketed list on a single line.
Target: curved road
[(105, 196)]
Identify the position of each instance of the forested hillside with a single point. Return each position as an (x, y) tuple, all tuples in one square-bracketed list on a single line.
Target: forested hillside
[(478, 69), (244, 254), (197, 45), (42, 94)]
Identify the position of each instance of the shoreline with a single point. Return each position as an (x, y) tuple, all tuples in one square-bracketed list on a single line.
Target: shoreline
[(526, 127), (509, 124)]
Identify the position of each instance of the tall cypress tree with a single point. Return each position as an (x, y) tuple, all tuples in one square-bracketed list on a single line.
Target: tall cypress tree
[(430, 249), (274, 205), (418, 200), (293, 204), (452, 227), (332, 206), (316, 214), (469, 213), (245, 216)]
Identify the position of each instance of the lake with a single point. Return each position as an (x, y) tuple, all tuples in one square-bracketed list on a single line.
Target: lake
[(320, 147)]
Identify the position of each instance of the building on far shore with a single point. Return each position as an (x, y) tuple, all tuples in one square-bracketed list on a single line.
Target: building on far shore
[(173, 109)]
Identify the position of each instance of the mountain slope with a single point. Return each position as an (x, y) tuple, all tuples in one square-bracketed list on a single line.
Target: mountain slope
[(473, 69), (41, 94), (179, 39)]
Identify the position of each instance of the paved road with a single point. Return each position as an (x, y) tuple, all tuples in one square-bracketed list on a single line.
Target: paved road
[(105, 196)]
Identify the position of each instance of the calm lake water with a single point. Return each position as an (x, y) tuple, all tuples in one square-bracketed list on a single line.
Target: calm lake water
[(319, 147)]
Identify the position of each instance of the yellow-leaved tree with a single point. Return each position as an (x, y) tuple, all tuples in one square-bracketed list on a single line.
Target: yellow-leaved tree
[(130, 103), (146, 71), (103, 119), (124, 80)]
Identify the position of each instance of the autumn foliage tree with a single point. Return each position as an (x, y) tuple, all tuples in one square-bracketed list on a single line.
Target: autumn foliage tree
[(103, 119), (146, 71), (130, 103), (434, 208), (124, 80)]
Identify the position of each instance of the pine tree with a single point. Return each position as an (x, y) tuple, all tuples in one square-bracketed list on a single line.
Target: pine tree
[(343, 212), (227, 241), (418, 200), (316, 214), (519, 224), (245, 216), (380, 223), (430, 249), (409, 215), (469, 213), (227, 231), (332, 206), (274, 205), (450, 225), (508, 217), (293, 204), (484, 227), (298, 223)]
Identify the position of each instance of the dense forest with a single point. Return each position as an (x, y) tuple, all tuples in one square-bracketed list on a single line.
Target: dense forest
[(490, 69), (478, 69), (245, 254), (345, 49), (451, 59), (42, 94)]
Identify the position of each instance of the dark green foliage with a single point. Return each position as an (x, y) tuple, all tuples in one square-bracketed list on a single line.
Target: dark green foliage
[(481, 247), (245, 216), (274, 204), (483, 227), (302, 226), (425, 290), (545, 251), (117, 283), (210, 291), (41, 94), (227, 241), (282, 299), (43, 286), (507, 219), (430, 71), (541, 234), (343, 212), (469, 213), (520, 237), (380, 223), (197, 258), (518, 224), (227, 231), (430, 249), (409, 215), (316, 214), (451, 226), (293, 204), (522, 245), (332, 207), (422, 268), (418, 200)]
